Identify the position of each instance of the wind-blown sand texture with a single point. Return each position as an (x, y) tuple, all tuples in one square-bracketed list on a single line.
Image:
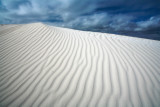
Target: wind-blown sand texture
[(49, 66)]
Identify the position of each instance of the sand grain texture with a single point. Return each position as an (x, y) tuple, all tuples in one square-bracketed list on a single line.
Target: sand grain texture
[(49, 66)]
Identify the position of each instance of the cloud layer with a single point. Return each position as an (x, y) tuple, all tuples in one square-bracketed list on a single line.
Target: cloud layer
[(95, 15)]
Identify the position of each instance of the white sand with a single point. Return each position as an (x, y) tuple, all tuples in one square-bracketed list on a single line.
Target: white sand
[(49, 66)]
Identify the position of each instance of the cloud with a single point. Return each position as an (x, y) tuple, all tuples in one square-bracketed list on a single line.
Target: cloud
[(94, 15), (100, 21), (153, 22)]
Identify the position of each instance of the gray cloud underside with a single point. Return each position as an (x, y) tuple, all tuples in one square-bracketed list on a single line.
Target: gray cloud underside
[(94, 15)]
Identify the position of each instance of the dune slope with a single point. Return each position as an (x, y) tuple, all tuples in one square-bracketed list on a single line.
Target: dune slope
[(49, 66)]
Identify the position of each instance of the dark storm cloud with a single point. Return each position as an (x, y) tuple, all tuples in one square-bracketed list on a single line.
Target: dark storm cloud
[(94, 15)]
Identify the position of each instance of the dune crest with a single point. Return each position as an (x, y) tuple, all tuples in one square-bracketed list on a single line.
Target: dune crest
[(47, 66)]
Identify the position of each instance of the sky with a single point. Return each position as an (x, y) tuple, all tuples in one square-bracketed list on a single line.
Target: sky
[(140, 18)]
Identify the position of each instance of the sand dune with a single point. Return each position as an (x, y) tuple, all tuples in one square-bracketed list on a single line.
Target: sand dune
[(47, 66)]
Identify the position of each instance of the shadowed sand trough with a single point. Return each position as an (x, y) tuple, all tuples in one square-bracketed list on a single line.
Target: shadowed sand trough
[(49, 66)]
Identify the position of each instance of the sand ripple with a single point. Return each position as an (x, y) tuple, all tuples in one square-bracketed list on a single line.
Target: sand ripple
[(49, 66)]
